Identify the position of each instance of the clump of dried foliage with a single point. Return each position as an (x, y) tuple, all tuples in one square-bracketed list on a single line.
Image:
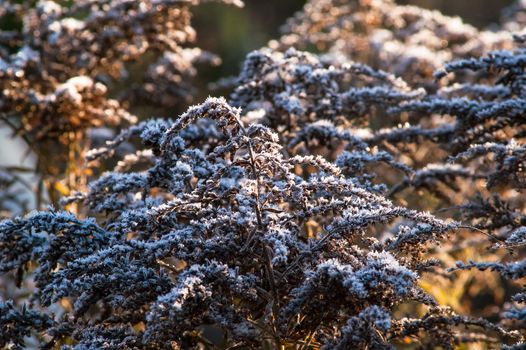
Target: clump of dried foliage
[(340, 199), (66, 69)]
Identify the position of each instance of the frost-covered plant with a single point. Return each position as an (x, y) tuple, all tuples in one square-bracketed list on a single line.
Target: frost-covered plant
[(489, 136), (295, 215), (473, 118), (478, 123), (233, 236), (296, 88), (406, 40), (15, 325), (317, 107), (67, 70)]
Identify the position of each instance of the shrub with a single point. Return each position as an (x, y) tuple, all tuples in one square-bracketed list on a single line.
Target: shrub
[(66, 70), (297, 213)]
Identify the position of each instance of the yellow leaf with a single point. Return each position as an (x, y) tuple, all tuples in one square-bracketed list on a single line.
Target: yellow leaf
[(61, 188)]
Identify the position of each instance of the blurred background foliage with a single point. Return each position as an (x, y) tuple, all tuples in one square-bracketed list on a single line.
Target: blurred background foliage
[(233, 32)]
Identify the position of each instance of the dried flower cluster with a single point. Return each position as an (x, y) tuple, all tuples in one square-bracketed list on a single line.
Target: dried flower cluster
[(406, 40), (296, 214), (60, 73), (54, 80)]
